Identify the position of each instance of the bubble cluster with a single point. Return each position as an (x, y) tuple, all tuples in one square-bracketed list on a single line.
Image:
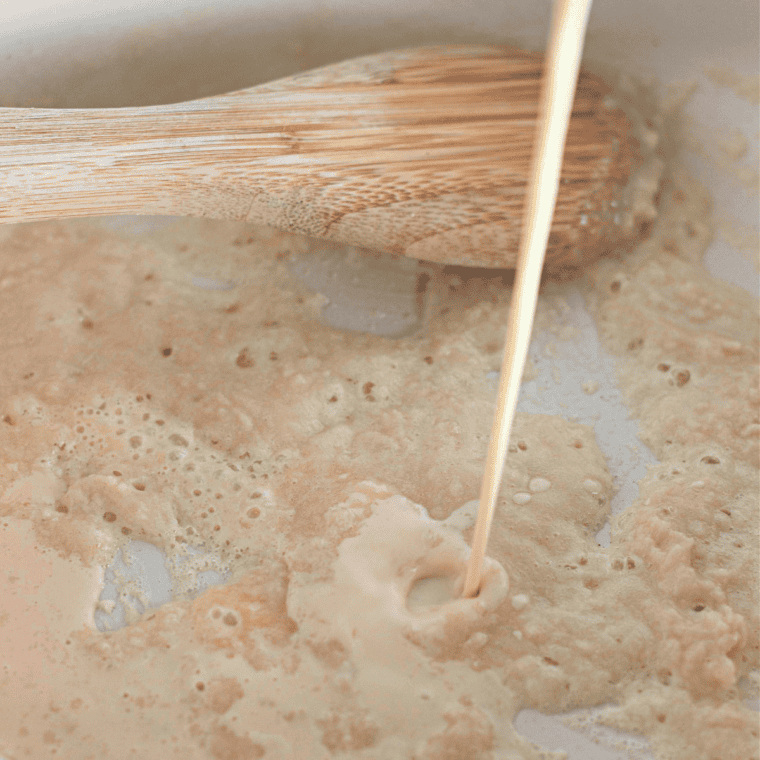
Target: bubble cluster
[(169, 507)]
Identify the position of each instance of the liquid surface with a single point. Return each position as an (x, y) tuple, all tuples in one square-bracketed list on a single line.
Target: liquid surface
[(321, 469), (431, 592)]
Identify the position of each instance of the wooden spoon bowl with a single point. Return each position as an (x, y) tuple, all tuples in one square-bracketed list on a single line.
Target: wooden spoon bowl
[(423, 152)]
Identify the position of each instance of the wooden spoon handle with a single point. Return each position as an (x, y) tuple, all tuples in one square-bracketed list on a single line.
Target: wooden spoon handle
[(423, 152), (195, 159)]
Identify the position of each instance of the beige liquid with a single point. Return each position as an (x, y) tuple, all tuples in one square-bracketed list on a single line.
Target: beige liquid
[(431, 592)]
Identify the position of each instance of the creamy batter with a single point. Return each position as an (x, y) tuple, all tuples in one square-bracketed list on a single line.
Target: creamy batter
[(328, 472)]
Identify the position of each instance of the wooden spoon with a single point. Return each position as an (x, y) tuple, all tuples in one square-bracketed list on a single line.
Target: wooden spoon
[(424, 152)]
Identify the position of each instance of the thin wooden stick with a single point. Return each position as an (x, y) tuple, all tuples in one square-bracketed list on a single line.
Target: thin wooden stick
[(560, 77)]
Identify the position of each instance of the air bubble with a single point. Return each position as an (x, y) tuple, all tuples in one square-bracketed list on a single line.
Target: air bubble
[(520, 601), (592, 486), (537, 485)]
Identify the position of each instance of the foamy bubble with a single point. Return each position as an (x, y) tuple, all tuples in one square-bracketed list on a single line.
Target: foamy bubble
[(520, 601), (537, 485), (592, 486)]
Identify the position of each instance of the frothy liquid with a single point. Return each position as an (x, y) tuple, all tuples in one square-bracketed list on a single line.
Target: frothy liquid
[(432, 591), (230, 424), (381, 590)]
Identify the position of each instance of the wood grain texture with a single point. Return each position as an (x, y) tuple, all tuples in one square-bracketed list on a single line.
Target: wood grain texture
[(423, 152)]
